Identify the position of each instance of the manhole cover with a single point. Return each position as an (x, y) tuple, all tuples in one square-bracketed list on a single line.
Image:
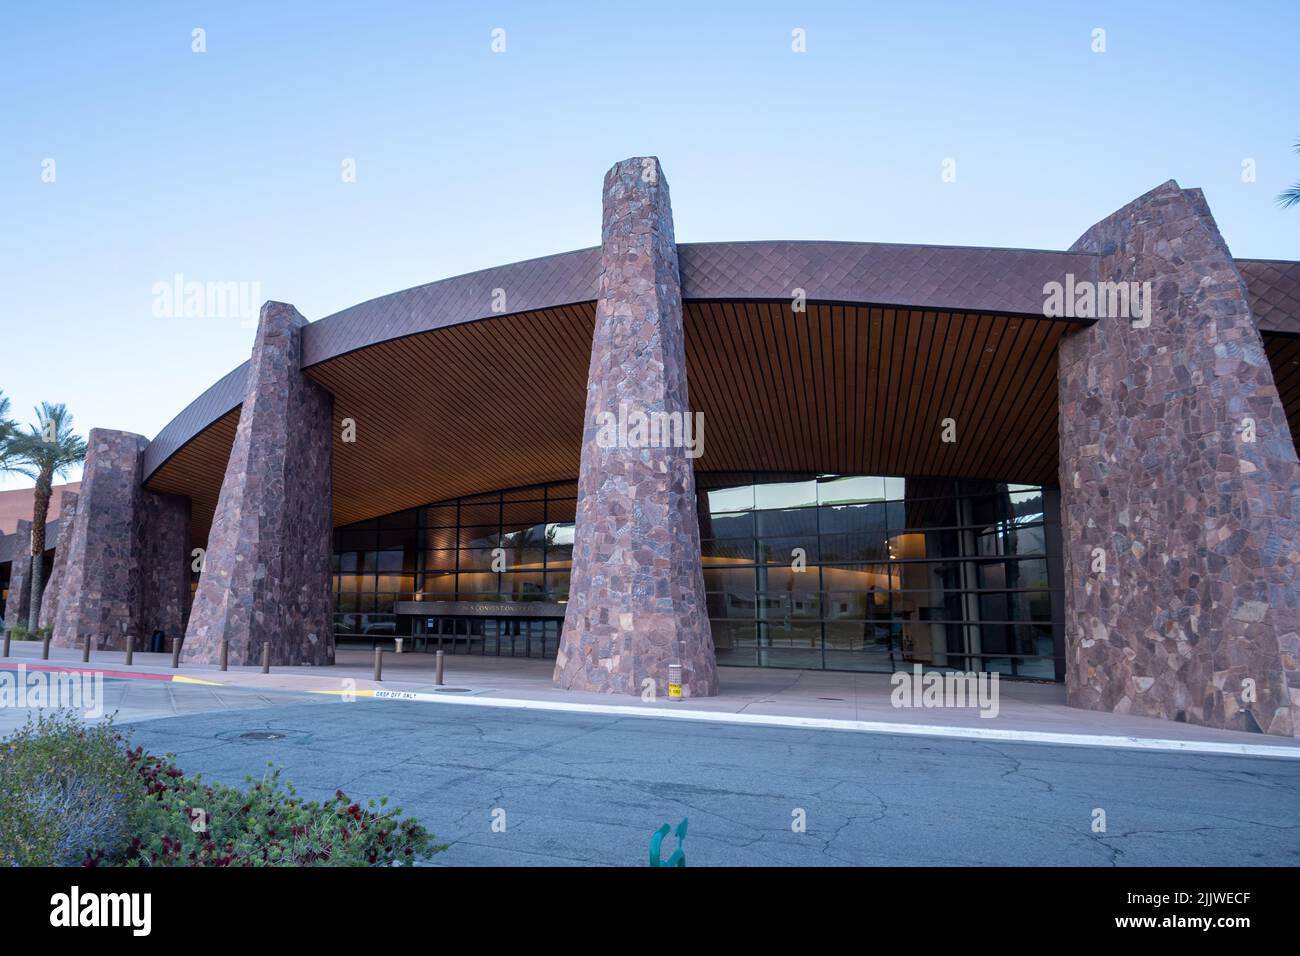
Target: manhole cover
[(262, 735), (451, 690)]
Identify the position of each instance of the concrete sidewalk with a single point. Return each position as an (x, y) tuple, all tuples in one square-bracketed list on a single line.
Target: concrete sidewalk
[(837, 700)]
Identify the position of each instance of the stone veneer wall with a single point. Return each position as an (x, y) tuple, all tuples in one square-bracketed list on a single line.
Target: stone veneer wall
[(636, 597), (165, 564), (267, 570), (50, 599), (118, 554), (1201, 588), (18, 604)]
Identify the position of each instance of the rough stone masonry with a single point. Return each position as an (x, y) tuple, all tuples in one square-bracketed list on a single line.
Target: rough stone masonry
[(267, 570), (637, 600), (1179, 473), (18, 604), (125, 561), (50, 600)]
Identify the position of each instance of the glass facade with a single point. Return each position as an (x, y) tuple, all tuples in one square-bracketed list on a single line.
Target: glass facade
[(446, 551), (839, 572), (876, 573)]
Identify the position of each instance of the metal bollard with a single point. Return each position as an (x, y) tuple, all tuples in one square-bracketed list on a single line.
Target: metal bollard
[(266, 657), (379, 663), (45, 648), (225, 655), (85, 651), (176, 653), (9, 633), (438, 673), (674, 681), (130, 651)]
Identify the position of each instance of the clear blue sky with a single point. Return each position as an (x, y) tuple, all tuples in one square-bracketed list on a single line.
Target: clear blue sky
[(225, 165)]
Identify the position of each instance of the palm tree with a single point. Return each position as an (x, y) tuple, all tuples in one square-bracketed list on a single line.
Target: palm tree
[(48, 450), (1291, 196)]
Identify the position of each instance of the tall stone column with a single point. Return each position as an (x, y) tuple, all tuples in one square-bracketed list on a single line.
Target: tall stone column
[(1180, 487), (118, 550), (19, 602), (50, 599), (267, 570), (636, 597)]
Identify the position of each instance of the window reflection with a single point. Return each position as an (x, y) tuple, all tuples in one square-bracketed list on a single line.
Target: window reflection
[(854, 572)]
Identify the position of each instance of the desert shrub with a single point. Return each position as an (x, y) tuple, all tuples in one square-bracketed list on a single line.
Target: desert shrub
[(66, 789), (73, 793)]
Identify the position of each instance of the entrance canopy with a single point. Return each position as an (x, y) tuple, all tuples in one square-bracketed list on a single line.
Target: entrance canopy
[(450, 398)]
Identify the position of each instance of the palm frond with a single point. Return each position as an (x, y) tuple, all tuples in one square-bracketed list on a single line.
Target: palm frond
[(50, 447), (1290, 197)]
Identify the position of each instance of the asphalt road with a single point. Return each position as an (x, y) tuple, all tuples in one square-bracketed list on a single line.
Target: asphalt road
[(585, 789)]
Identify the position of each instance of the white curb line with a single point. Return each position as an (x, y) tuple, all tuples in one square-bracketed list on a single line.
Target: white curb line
[(859, 726)]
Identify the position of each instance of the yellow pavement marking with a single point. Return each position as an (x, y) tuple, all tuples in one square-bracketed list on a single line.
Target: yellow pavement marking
[(178, 679)]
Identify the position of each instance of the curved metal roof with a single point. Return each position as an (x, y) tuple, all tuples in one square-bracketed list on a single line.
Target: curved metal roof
[(973, 279)]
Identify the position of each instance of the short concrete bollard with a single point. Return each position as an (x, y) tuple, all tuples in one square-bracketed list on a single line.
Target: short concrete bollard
[(45, 648), (225, 655), (398, 648), (9, 633), (85, 651), (266, 657), (176, 653), (379, 663), (130, 651), (438, 672)]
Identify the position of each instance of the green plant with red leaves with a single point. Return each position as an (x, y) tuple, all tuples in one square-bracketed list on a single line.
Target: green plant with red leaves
[(185, 821)]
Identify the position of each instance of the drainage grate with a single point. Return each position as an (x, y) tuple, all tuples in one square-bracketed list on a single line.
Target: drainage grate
[(451, 690), (262, 735)]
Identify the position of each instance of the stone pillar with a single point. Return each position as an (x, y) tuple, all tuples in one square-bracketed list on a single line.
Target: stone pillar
[(117, 551), (267, 570), (19, 602), (636, 598), (1196, 615), (165, 564), (50, 599)]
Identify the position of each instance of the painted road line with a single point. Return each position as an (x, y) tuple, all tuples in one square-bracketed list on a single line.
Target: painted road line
[(859, 726), (124, 675)]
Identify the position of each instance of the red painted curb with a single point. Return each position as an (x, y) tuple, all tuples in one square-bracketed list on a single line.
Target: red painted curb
[(129, 675)]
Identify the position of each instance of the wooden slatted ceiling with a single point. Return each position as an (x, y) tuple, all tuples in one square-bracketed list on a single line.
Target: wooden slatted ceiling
[(196, 471), (499, 403), (459, 410), (1284, 356), (769, 381)]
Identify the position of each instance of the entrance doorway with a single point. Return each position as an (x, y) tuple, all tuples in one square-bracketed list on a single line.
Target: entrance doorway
[(488, 636)]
